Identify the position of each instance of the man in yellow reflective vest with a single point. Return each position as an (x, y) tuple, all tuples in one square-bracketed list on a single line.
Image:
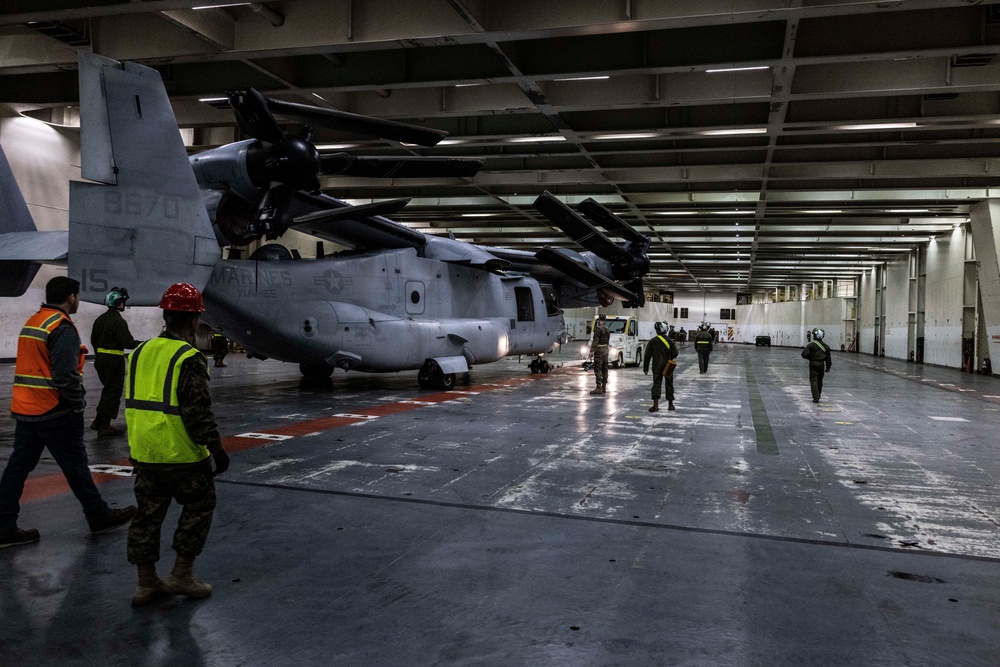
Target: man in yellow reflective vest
[(110, 337), (173, 438), (47, 404), (662, 353)]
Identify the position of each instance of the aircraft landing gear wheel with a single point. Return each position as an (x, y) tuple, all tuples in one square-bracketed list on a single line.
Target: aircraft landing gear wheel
[(431, 377), (316, 371), (539, 365)]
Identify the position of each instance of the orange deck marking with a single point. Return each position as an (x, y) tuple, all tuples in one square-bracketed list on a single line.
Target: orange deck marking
[(47, 486)]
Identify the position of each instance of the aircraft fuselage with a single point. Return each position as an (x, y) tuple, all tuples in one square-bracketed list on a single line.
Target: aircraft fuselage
[(379, 311)]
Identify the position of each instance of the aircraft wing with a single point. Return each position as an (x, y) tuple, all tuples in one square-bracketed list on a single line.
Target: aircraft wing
[(23, 249)]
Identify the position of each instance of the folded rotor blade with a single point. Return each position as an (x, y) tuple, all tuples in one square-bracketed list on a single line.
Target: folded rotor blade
[(579, 229), (352, 212), (609, 221), (584, 274), (637, 287), (355, 124), (398, 167), (253, 116)]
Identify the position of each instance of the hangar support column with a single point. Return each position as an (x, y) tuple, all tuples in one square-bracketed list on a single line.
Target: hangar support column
[(985, 222)]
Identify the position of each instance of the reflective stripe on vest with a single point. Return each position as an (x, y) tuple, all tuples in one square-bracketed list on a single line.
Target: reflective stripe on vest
[(34, 392), (103, 350), (156, 433), (664, 341)]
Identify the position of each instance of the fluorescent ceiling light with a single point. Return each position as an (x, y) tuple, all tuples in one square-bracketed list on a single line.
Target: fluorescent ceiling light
[(317, 95), (584, 78), (334, 147), (736, 212), (477, 215), (634, 135), (226, 4), (675, 212), (908, 210), (737, 69), (468, 85), (213, 99), (450, 142), (877, 126), (822, 211), (531, 140), (746, 130)]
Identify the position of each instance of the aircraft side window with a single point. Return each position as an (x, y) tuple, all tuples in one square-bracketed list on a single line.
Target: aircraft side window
[(551, 301), (525, 309)]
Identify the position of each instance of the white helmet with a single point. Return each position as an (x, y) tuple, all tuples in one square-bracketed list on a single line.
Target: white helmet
[(660, 328), (818, 333)]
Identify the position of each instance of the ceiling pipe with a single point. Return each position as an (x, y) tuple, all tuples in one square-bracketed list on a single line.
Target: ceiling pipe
[(276, 18)]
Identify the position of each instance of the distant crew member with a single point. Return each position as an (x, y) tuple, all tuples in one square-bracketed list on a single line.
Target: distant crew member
[(703, 341), (682, 336), (662, 353), (818, 354), (48, 402), (220, 348), (599, 348), (110, 338), (172, 437)]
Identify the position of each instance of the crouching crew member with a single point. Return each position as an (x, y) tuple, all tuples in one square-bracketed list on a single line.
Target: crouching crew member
[(662, 353), (172, 438)]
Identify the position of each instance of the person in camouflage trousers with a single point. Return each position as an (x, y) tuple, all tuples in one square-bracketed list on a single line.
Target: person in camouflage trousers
[(173, 439), (599, 348)]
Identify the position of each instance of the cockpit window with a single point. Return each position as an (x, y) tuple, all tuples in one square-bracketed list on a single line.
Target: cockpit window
[(616, 326), (551, 301)]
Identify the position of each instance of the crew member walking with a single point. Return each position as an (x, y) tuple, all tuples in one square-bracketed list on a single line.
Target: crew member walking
[(110, 338), (662, 353), (703, 341), (172, 438), (599, 348), (48, 402), (818, 355)]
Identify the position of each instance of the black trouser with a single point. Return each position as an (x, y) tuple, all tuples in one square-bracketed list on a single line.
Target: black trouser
[(816, 371), (703, 359), (111, 371), (668, 383)]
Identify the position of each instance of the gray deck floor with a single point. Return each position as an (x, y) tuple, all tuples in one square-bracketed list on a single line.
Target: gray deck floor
[(521, 521)]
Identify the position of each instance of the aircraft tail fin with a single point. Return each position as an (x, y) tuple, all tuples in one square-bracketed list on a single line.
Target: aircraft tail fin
[(23, 249), (147, 227)]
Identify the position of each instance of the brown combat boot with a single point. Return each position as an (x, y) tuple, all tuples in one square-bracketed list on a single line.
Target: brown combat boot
[(182, 581), (670, 405), (598, 390), (150, 587), (656, 406)]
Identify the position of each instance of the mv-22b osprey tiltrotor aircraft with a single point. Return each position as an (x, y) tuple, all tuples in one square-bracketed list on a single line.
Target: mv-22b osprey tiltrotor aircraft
[(397, 300)]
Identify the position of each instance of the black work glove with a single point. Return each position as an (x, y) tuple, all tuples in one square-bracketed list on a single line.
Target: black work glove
[(221, 462)]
